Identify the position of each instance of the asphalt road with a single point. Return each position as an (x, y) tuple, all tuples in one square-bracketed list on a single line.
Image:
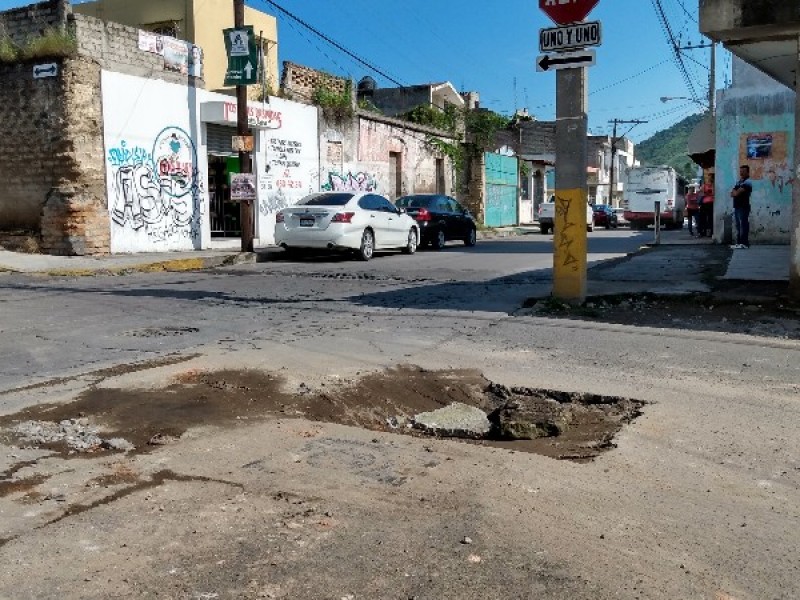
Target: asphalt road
[(698, 498)]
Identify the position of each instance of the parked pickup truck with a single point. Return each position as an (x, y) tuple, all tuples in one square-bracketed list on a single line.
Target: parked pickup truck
[(547, 216)]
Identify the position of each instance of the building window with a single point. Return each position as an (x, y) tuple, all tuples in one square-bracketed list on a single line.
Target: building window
[(168, 28)]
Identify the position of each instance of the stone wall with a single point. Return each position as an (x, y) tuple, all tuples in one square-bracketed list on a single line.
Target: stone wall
[(21, 24), (75, 216), (52, 161)]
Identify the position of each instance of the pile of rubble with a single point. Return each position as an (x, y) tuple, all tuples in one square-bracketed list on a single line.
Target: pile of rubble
[(77, 434)]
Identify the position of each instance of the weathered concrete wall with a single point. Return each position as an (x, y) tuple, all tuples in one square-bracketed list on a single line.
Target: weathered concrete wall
[(357, 155), (755, 126)]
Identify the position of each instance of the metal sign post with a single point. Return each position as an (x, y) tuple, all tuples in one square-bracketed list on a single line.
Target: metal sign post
[(657, 221), (572, 127)]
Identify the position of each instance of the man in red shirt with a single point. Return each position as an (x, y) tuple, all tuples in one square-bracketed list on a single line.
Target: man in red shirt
[(693, 210), (705, 226)]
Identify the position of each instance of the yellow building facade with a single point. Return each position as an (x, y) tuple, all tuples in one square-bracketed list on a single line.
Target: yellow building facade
[(198, 21)]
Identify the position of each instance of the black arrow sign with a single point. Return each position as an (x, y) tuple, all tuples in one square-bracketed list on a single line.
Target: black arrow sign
[(43, 70), (548, 61)]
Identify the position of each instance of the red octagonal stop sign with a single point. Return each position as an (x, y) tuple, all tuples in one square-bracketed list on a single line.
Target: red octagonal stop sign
[(564, 12)]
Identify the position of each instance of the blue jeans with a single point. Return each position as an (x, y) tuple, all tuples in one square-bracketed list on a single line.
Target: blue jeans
[(742, 218)]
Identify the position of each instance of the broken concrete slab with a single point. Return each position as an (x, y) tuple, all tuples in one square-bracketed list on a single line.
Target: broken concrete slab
[(455, 420)]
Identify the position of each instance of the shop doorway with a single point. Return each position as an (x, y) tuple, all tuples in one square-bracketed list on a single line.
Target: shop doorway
[(224, 213)]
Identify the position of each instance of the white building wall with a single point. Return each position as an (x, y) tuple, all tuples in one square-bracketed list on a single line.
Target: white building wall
[(155, 173)]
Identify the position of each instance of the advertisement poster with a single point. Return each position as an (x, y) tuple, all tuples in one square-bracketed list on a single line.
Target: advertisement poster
[(176, 55), (150, 42), (243, 186)]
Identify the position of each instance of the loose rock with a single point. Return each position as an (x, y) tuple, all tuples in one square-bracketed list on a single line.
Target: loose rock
[(455, 420)]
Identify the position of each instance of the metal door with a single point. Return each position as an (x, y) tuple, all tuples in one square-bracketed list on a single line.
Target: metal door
[(502, 191)]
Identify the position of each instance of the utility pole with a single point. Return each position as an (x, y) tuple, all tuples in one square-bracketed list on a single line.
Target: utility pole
[(614, 140), (572, 153), (246, 208), (712, 77)]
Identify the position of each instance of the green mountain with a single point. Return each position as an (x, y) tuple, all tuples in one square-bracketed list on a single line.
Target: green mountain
[(668, 147)]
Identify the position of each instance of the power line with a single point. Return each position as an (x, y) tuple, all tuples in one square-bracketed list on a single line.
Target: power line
[(678, 57), (335, 44)]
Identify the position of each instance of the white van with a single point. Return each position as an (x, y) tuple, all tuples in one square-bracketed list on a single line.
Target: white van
[(647, 185)]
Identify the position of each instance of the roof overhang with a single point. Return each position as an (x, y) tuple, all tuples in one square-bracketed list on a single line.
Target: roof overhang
[(764, 34)]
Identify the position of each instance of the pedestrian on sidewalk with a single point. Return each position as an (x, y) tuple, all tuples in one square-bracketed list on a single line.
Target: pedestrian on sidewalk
[(705, 227), (693, 210), (741, 193)]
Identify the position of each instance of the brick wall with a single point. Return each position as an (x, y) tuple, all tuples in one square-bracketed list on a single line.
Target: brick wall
[(115, 47), (300, 82), (20, 24)]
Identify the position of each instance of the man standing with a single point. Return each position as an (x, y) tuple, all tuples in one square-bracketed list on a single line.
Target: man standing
[(741, 193)]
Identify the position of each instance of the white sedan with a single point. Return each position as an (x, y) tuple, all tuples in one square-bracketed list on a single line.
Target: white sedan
[(364, 222)]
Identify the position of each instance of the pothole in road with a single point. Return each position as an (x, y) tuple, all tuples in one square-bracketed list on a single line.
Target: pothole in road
[(561, 425)]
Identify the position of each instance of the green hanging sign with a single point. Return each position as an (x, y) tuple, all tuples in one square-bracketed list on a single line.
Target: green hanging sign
[(240, 46)]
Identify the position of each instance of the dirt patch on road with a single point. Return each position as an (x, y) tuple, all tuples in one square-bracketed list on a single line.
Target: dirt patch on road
[(558, 424)]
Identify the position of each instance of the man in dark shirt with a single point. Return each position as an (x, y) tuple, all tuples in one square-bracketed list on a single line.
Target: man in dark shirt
[(741, 207)]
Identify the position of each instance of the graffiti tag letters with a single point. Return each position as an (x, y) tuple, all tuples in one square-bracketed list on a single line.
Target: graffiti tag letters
[(350, 182), (157, 191)]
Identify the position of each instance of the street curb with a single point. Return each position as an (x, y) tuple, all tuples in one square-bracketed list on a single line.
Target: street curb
[(171, 266)]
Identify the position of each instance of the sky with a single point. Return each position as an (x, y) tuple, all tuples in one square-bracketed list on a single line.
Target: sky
[(491, 46)]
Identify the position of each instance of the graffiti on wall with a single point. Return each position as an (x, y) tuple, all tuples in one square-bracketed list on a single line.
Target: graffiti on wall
[(158, 190), (350, 182)]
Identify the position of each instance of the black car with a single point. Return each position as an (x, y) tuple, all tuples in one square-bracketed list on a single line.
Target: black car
[(440, 219), (605, 216)]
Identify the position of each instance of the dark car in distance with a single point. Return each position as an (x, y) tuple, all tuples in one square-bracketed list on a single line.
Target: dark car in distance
[(604, 216), (440, 219)]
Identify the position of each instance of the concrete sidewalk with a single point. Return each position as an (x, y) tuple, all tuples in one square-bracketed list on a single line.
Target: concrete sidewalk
[(45, 264), (760, 263)]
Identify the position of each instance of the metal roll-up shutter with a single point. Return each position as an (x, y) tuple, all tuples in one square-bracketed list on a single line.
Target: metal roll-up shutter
[(219, 139)]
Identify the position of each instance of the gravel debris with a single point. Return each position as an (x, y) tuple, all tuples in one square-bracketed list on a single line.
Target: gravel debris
[(77, 434)]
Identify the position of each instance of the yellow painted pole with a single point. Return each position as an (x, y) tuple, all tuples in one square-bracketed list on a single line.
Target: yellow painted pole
[(570, 245), (569, 222)]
